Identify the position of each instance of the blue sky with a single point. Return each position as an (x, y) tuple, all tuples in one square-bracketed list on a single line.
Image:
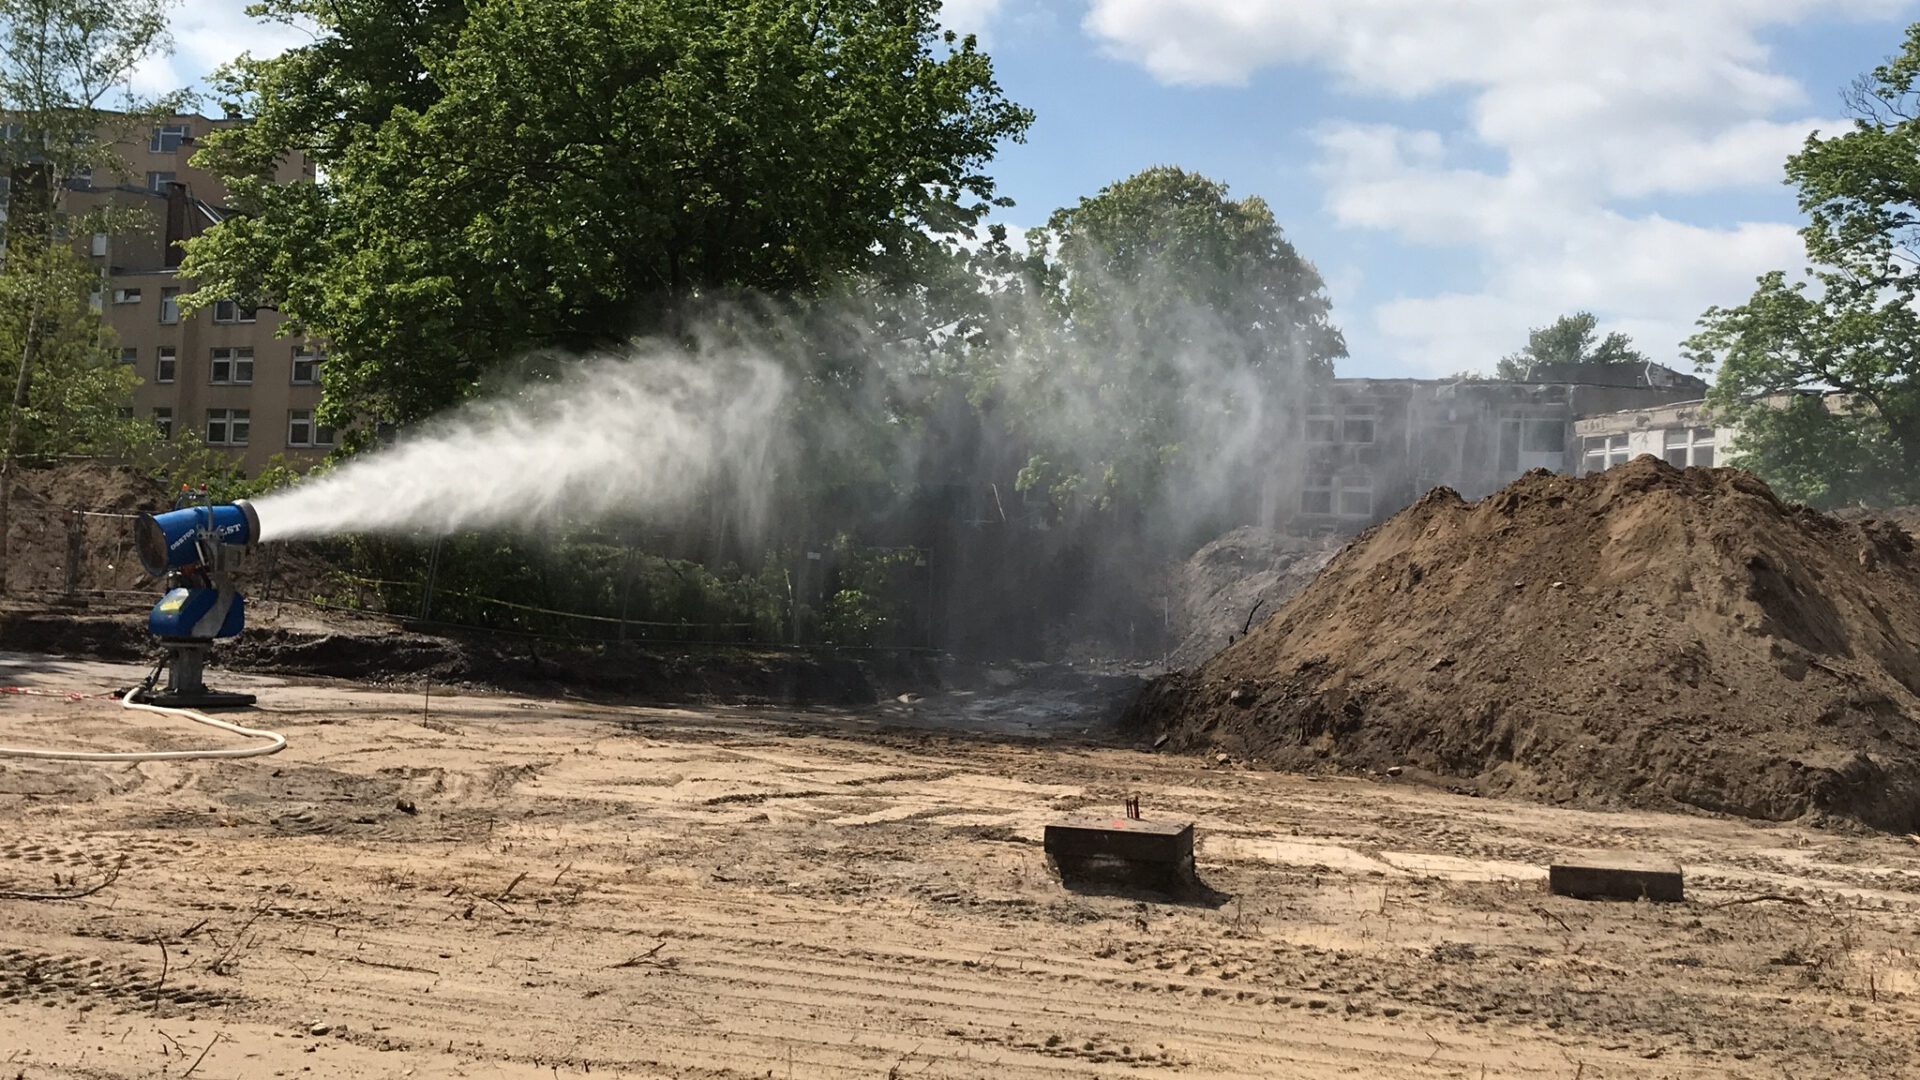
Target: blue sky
[(1458, 171)]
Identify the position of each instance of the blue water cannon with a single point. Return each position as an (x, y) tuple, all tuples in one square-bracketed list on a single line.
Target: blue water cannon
[(194, 549), (180, 538)]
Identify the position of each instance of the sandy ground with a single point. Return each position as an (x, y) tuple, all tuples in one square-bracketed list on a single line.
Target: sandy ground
[(587, 890)]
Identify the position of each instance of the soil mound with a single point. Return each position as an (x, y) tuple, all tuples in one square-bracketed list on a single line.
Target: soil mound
[(47, 538), (1647, 636), (51, 547), (1243, 577), (1906, 517)]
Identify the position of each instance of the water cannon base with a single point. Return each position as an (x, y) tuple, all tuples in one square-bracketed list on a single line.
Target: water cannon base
[(205, 699), (186, 685)]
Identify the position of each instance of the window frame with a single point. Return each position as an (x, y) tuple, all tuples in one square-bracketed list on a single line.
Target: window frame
[(169, 305), (236, 355), (157, 186), (1316, 496), (181, 134), (1359, 413), (235, 314), (1345, 487), (1693, 443), (163, 419), (166, 364), (127, 296), (312, 358), (230, 420), (1323, 425)]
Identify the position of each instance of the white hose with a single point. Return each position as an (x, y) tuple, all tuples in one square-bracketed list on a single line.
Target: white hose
[(278, 742)]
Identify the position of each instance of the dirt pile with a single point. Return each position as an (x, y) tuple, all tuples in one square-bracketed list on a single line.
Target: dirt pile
[(1906, 517), (1647, 636), (49, 540), (44, 531), (1249, 572)]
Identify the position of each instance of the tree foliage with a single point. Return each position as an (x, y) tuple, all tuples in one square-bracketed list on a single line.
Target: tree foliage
[(1851, 328), (506, 174), (74, 402), (61, 63), (1570, 339), (1148, 330)]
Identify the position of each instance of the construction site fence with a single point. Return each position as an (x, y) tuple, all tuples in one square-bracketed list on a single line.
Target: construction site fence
[(93, 544)]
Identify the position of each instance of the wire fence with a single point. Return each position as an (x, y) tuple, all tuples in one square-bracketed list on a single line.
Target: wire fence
[(82, 558)]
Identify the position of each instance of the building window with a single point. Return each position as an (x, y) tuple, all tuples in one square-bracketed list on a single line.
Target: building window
[(303, 431), (169, 305), (167, 140), (163, 419), (1323, 425), (1343, 496), (228, 427), (232, 367), (1353, 496), (1543, 437), (1690, 446), (166, 363), (1602, 452), (306, 367), (130, 354), (125, 412), (157, 182), (1356, 424), (230, 311), (99, 244), (1329, 425), (1317, 497), (126, 296)]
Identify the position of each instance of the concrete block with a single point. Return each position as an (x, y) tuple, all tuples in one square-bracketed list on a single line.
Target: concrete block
[(1128, 839), (1616, 878)]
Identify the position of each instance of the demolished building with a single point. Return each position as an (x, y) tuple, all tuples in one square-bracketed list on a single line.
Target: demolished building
[(1368, 447)]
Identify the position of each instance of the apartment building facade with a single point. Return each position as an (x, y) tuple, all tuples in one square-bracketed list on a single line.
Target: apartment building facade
[(221, 374)]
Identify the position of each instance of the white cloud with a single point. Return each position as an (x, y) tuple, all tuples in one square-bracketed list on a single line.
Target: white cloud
[(207, 34), (969, 16), (1592, 106)]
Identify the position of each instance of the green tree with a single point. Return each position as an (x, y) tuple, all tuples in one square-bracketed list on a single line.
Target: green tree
[(61, 64), (498, 175), (1851, 329), (1570, 339), (1155, 327), (74, 404)]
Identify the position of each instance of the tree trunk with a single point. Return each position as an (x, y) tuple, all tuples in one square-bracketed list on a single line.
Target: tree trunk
[(22, 389)]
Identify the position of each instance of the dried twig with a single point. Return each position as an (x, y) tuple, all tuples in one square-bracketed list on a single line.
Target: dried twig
[(217, 1036), (160, 985), (894, 1072), (643, 958), (219, 967), (1759, 900), (1248, 628), (512, 885), (1545, 914), (113, 874)]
